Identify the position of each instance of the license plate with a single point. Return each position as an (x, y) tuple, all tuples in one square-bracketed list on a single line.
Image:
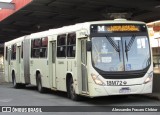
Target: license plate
[(125, 90), (114, 83)]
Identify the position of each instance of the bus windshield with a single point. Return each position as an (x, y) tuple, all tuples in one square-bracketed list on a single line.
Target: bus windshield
[(123, 53)]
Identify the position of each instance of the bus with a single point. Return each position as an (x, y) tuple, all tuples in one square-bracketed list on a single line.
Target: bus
[(91, 59)]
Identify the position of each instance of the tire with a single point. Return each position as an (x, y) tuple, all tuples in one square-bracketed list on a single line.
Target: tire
[(15, 85), (39, 84), (22, 85), (71, 92)]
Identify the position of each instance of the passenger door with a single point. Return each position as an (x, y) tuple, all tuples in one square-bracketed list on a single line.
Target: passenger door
[(53, 55), (84, 66)]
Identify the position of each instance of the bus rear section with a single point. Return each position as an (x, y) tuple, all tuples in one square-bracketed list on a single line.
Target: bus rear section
[(15, 62), (119, 59)]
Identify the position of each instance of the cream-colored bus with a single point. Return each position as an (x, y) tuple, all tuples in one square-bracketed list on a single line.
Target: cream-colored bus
[(88, 59)]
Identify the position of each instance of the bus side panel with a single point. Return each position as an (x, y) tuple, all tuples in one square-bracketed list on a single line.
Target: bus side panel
[(61, 69), (26, 57)]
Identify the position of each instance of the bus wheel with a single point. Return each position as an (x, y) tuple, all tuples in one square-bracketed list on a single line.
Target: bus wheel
[(72, 93), (39, 84), (15, 85)]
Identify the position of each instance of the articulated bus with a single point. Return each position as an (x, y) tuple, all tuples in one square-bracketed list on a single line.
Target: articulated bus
[(89, 59)]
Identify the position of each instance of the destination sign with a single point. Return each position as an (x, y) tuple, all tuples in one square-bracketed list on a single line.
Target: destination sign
[(115, 28), (122, 28)]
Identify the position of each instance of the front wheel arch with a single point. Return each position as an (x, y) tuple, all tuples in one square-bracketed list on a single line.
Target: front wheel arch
[(39, 82), (14, 79), (71, 89)]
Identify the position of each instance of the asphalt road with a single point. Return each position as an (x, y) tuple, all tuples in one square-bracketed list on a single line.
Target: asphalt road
[(29, 96)]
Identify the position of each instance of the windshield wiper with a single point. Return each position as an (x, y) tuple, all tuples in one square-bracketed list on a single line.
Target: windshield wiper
[(148, 61), (114, 45), (128, 47)]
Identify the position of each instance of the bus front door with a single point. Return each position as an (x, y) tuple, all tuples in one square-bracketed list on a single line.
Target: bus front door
[(84, 66), (53, 64)]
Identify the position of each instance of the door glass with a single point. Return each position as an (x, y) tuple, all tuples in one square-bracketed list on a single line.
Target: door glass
[(19, 48), (53, 52), (83, 66), (83, 51)]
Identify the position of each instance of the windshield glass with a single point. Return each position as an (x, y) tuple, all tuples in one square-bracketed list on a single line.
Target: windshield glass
[(126, 53)]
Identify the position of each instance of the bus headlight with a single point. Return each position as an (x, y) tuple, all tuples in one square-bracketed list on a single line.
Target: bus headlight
[(149, 78), (97, 80)]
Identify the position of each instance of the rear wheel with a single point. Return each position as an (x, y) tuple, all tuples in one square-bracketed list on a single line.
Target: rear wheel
[(39, 84), (15, 85), (14, 81), (72, 94)]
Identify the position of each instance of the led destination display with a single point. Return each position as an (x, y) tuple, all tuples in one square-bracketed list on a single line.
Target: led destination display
[(117, 28)]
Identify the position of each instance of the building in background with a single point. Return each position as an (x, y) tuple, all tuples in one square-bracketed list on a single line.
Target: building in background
[(154, 32)]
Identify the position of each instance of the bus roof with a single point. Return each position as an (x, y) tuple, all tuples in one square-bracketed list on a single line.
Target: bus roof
[(86, 25), (115, 21), (77, 27), (15, 41), (72, 28)]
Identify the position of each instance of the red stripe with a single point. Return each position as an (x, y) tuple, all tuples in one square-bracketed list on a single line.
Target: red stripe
[(4, 13)]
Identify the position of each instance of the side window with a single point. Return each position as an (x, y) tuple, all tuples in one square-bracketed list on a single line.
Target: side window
[(35, 48), (6, 56), (44, 46), (32, 44), (13, 56), (22, 51), (61, 45), (71, 44)]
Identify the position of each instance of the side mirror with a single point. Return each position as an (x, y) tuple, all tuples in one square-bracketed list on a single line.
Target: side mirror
[(89, 45)]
